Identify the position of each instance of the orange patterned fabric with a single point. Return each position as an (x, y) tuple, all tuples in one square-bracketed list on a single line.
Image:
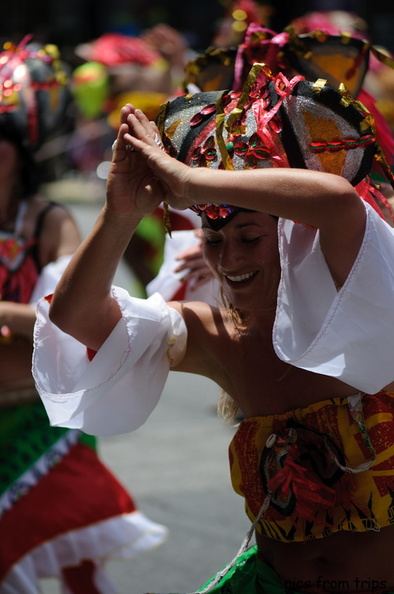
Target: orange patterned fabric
[(304, 459)]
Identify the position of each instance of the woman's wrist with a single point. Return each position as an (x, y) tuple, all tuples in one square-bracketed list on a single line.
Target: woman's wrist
[(125, 222), (206, 185)]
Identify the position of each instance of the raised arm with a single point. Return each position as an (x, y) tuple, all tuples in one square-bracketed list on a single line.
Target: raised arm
[(323, 200), (82, 304)]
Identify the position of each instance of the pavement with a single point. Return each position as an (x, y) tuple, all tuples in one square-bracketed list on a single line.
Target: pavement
[(176, 468)]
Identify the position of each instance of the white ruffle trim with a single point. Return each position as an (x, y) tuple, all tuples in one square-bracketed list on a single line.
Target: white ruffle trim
[(122, 537), (116, 391)]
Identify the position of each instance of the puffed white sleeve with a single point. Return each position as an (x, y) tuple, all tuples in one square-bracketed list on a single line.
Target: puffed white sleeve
[(117, 390), (345, 334)]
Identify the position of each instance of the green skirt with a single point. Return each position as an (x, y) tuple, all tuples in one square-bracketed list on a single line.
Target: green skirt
[(250, 575)]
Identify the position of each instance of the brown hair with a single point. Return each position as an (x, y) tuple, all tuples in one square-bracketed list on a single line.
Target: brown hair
[(227, 408)]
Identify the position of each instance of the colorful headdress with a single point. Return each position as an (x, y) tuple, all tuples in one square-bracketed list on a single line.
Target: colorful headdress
[(33, 92), (272, 122), (339, 58)]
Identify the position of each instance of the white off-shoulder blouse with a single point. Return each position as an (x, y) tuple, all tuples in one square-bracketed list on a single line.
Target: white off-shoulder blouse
[(347, 334)]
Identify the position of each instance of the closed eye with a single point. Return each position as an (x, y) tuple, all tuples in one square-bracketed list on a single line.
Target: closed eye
[(212, 240), (251, 239)]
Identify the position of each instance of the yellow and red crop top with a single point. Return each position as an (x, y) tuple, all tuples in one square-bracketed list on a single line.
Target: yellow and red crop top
[(325, 468)]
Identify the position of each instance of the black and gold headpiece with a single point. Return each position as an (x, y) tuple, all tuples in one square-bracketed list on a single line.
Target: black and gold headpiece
[(271, 122)]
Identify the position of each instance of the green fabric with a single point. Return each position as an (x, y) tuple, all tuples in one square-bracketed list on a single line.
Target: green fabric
[(249, 576), (151, 229), (25, 435), (88, 440)]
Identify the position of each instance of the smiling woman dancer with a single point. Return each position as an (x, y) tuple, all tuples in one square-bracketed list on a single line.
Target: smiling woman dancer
[(300, 345)]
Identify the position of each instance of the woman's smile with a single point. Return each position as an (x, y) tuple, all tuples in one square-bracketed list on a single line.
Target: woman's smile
[(244, 255), (240, 278)]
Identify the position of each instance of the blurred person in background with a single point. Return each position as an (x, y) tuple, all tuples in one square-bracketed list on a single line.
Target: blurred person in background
[(62, 512)]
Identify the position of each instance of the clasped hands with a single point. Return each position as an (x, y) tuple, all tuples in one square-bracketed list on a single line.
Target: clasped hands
[(142, 175)]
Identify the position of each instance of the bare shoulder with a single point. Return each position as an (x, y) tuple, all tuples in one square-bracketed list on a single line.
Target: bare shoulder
[(56, 212), (59, 234), (209, 329), (199, 314), (52, 215)]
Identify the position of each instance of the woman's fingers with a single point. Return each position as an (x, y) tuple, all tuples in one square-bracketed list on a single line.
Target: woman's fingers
[(121, 147), (157, 136), (141, 127), (191, 263), (200, 281), (134, 123), (197, 278)]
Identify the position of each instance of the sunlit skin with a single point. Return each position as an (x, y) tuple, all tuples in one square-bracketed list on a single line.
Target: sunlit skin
[(248, 246), (243, 255)]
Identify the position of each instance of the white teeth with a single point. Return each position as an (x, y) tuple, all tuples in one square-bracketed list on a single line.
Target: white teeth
[(240, 277)]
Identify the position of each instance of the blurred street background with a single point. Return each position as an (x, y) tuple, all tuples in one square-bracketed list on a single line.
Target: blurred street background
[(176, 465), (76, 21)]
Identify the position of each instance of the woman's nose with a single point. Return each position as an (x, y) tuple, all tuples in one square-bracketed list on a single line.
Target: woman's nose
[(230, 256)]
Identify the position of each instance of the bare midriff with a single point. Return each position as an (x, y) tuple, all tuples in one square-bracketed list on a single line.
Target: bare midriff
[(343, 562)]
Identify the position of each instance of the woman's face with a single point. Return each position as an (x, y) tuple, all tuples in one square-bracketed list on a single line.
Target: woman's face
[(244, 256)]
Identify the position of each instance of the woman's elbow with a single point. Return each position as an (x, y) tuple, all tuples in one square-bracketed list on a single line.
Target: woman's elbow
[(60, 315), (91, 324), (347, 202)]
